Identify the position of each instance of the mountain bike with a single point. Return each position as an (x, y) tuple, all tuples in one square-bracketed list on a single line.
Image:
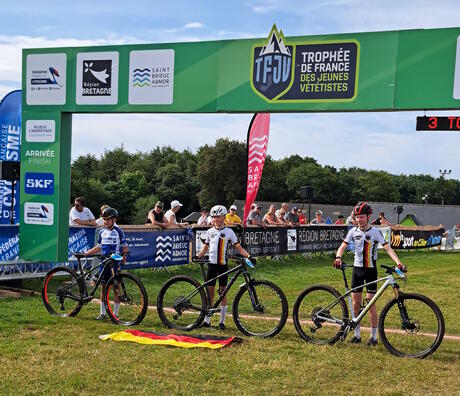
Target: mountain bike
[(410, 325), (65, 291), (259, 309)]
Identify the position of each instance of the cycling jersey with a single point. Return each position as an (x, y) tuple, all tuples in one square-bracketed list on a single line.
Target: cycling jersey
[(111, 240), (217, 240), (366, 243)]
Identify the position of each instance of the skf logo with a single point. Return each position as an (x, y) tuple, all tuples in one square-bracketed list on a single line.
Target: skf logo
[(272, 66), (39, 183)]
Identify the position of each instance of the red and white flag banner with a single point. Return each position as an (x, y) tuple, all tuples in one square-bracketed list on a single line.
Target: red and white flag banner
[(257, 152)]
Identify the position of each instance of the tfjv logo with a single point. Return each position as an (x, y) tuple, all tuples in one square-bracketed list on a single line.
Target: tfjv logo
[(39, 183), (97, 77), (272, 66)]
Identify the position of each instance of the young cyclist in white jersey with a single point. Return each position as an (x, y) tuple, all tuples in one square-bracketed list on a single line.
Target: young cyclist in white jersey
[(217, 239), (111, 240), (366, 239)]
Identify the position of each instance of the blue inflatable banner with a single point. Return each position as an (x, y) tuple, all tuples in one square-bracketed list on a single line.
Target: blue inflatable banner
[(10, 141)]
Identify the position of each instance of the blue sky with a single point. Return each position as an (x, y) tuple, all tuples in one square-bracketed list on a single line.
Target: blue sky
[(389, 140)]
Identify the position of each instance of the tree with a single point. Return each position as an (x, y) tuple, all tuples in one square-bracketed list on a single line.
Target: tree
[(92, 190), (142, 207), (221, 172), (378, 186), (320, 178), (124, 192), (273, 183)]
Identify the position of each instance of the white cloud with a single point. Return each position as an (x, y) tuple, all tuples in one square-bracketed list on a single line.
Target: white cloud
[(194, 25)]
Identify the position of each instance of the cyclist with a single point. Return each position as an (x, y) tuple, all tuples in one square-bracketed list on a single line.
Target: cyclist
[(217, 239), (366, 239), (111, 240)]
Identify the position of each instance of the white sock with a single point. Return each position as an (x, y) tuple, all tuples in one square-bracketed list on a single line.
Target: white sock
[(116, 308), (207, 319), (103, 311), (374, 333), (223, 312), (357, 331)]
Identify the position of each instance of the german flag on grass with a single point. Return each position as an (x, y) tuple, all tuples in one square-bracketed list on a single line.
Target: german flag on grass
[(176, 340)]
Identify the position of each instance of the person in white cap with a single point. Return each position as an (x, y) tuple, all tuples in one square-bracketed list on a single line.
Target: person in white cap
[(232, 217), (171, 213)]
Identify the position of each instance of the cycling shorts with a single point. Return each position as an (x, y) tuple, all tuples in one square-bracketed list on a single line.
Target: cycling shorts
[(107, 274), (213, 271), (362, 275)]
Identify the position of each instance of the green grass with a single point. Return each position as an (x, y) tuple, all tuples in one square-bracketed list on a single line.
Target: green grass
[(42, 354)]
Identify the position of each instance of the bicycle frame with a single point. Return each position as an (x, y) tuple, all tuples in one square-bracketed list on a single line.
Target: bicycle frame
[(240, 269), (355, 320), (87, 297)]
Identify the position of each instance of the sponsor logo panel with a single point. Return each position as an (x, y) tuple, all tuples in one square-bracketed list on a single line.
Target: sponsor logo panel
[(317, 71), (292, 240), (46, 79), (40, 131), (38, 213), (39, 183), (151, 77), (97, 78)]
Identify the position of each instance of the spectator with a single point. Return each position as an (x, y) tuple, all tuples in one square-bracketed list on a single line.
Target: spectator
[(232, 217), (318, 218), (100, 220), (255, 217), (339, 220), (284, 208), (302, 217), (156, 216), (351, 219), (270, 218), (80, 214), (171, 214), (381, 220), (292, 217), (280, 216), (204, 219)]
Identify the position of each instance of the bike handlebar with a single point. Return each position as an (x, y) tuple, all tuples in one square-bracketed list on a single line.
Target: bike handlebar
[(388, 269)]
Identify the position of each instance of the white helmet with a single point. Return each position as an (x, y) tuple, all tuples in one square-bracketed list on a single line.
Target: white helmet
[(218, 210)]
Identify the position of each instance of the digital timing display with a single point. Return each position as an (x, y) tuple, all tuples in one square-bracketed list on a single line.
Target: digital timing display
[(435, 123)]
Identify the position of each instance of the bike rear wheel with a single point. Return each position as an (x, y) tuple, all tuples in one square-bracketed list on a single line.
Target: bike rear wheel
[(260, 309), (315, 319), (181, 304), (62, 292), (126, 300), (413, 328)]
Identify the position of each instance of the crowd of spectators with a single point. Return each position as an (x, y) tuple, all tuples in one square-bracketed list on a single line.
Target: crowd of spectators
[(284, 216)]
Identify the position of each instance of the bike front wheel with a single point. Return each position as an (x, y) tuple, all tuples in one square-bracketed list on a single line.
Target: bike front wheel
[(62, 292), (411, 326), (320, 315), (126, 300), (181, 303), (260, 309)]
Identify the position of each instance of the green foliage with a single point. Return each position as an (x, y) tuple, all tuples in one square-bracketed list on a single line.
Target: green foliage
[(378, 186), (221, 172), (93, 190)]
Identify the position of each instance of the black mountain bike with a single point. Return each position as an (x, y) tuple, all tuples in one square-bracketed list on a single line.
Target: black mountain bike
[(260, 308), (65, 290), (410, 325)]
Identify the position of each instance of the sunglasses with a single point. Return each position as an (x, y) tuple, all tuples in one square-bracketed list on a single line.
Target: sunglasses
[(77, 205)]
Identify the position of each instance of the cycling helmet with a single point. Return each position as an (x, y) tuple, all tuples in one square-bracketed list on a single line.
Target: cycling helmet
[(108, 213), (218, 210), (362, 208)]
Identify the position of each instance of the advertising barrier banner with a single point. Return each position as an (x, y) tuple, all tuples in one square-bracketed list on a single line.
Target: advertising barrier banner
[(146, 249), (416, 239), (273, 241)]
